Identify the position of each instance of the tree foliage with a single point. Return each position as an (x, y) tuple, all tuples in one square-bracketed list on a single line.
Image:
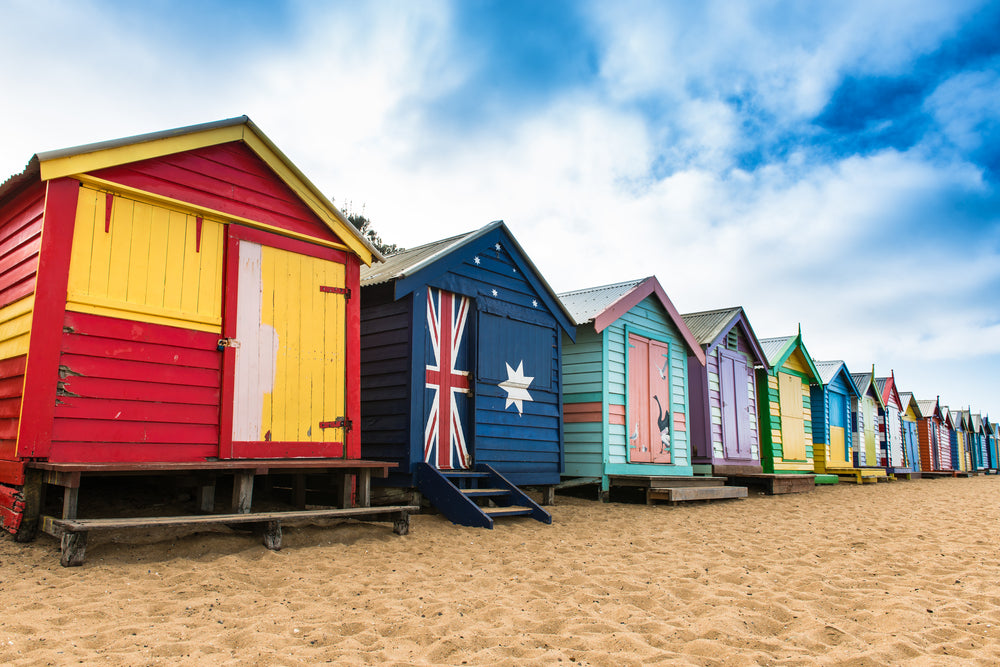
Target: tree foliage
[(364, 225)]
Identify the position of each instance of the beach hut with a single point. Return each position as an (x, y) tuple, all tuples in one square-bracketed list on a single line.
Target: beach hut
[(830, 401), (949, 424), (993, 430), (890, 426), (155, 292), (864, 423), (961, 457), (628, 420), (460, 375), (784, 410), (723, 392), (911, 441), (979, 444), (934, 455)]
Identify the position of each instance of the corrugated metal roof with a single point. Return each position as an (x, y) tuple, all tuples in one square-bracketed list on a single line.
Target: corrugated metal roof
[(708, 324), (861, 381), (773, 347), (402, 263), (15, 181), (927, 407), (977, 422), (828, 369), (586, 304), (880, 384)]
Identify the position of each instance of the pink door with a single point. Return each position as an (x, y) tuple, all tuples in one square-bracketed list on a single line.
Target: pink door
[(648, 400)]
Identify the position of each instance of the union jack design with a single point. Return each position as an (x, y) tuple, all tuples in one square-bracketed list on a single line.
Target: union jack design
[(444, 436)]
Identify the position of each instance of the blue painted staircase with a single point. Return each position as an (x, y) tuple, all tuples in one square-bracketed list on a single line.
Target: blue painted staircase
[(475, 497)]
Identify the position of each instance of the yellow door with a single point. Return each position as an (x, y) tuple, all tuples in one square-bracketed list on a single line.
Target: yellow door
[(838, 456), (793, 431), (290, 354)]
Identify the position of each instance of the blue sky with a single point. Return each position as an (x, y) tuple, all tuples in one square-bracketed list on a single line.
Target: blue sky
[(830, 164)]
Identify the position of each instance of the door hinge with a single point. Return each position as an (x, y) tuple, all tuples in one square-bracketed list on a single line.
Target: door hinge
[(326, 289), (339, 422)]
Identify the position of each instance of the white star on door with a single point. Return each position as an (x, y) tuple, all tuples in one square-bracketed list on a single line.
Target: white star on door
[(516, 386)]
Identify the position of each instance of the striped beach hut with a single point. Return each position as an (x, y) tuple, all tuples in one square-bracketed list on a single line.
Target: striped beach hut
[(724, 434), (153, 291), (461, 378), (864, 423), (831, 420), (993, 431), (911, 441), (890, 426), (935, 454), (949, 422), (784, 407), (961, 456), (626, 394)]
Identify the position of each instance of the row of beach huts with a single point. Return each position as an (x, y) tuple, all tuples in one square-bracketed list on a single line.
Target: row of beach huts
[(187, 305)]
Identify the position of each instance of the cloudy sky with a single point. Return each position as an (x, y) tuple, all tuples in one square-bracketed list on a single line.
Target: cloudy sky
[(834, 164)]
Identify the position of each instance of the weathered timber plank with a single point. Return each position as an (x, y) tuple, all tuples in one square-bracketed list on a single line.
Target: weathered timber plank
[(683, 494)]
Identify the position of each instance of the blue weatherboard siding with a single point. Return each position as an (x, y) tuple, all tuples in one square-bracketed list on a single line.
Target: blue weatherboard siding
[(514, 320)]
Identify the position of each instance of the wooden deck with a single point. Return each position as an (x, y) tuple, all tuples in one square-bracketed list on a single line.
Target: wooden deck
[(774, 484), (350, 477), (676, 489)]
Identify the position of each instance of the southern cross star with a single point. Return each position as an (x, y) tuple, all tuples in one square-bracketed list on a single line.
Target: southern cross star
[(516, 386)]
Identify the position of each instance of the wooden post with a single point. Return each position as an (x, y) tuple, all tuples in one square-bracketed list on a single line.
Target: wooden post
[(74, 549), (71, 498), (365, 487), (33, 492), (346, 482), (272, 535), (548, 495), (242, 491), (401, 525), (206, 494)]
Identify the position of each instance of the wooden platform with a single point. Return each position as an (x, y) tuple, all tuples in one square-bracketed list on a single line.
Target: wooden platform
[(352, 476), (676, 489), (858, 475), (774, 484), (687, 493), (72, 533)]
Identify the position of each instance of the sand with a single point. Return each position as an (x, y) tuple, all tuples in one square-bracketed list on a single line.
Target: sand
[(897, 573)]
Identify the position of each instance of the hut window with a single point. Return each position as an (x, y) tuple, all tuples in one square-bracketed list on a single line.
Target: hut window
[(732, 340)]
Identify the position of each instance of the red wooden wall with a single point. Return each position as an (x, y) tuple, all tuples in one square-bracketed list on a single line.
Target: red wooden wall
[(229, 178), (20, 240)]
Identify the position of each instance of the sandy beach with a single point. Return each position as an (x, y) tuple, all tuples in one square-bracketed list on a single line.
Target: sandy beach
[(896, 573)]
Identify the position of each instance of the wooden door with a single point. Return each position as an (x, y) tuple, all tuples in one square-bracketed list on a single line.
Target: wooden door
[(735, 405), (648, 401), (839, 455), (793, 429), (288, 332), (871, 436), (447, 445)]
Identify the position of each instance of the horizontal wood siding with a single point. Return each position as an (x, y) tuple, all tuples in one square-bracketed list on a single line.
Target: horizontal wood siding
[(649, 316), (147, 263), (584, 432), (228, 178), (385, 372), (20, 243), (133, 391)]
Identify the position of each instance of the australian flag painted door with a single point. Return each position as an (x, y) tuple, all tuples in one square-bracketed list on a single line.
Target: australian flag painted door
[(447, 392)]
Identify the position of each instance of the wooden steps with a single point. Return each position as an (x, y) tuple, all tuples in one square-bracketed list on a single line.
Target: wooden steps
[(686, 493), (475, 497)]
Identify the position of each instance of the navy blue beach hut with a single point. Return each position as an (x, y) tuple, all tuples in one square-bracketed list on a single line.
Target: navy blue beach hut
[(460, 375)]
